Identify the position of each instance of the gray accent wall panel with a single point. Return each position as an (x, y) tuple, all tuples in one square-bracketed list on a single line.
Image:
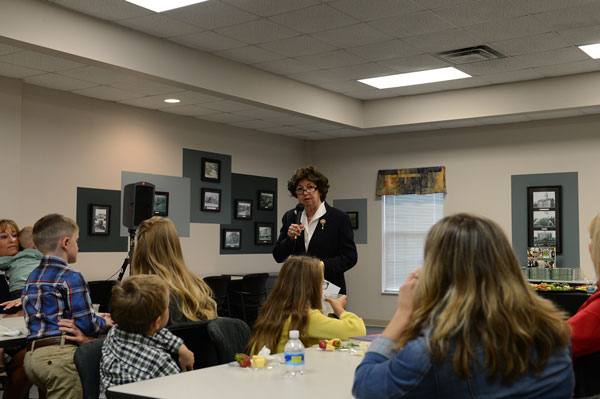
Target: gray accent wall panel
[(179, 197), (99, 243), (570, 214), (192, 168), (355, 205)]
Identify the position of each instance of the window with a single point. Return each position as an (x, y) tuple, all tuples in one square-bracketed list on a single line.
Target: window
[(406, 221)]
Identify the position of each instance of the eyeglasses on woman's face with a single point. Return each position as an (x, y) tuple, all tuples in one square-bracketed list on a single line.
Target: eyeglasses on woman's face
[(308, 189)]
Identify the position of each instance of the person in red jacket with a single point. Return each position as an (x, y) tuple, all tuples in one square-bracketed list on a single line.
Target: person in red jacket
[(586, 322)]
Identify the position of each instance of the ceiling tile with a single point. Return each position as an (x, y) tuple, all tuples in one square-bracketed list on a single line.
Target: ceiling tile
[(439, 86), (433, 4), (6, 49), (476, 12), (152, 102), (291, 120), (285, 130), (193, 97), (298, 46), (208, 41), (227, 106), (15, 71), (317, 126), (258, 31), (261, 113), (418, 23), (347, 132), (507, 29), (249, 55), (256, 124), (415, 63), (530, 44), (580, 36), (112, 10), (42, 62), (353, 35), (312, 136), (314, 19), (225, 118), (385, 50), (96, 75), (491, 66), (144, 86), (512, 76), (540, 6), (211, 15), (267, 8), (443, 41), (189, 110), (160, 25), (376, 9), (342, 86), (107, 93), (551, 57), (569, 68), (58, 82), (362, 71), (285, 66), (571, 17), (370, 94), (332, 59)]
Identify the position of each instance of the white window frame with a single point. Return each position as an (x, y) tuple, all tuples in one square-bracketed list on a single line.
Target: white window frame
[(406, 220)]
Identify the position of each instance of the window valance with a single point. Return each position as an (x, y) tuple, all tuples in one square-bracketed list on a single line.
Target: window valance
[(411, 181)]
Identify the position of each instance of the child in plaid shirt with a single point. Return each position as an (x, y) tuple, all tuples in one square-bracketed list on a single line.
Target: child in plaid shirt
[(138, 347)]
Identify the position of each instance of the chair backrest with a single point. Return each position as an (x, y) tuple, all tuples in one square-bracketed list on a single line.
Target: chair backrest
[(229, 336), (587, 381), (195, 337), (87, 360), (100, 292), (255, 283), (219, 286)]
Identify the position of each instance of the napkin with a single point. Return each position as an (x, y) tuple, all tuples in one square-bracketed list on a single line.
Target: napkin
[(7, 332)]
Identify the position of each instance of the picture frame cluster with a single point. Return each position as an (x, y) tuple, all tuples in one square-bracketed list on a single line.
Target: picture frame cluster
[(544, 217)]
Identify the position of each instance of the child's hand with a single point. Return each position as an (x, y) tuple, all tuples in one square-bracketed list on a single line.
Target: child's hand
[(68, 326), (109, 321), (186, 358), (338, 304)]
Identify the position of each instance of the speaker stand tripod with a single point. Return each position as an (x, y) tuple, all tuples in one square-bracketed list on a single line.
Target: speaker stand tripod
[(127, 260)]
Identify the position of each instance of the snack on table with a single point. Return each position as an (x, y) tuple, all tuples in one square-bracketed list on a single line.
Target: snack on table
[(331, 344), (243, 359), (259, 362)]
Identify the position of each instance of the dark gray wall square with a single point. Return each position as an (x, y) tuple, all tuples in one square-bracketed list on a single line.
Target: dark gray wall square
[(355, 205)]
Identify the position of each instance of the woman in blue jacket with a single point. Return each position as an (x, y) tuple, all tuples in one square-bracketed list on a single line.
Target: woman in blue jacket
[(469, 326)]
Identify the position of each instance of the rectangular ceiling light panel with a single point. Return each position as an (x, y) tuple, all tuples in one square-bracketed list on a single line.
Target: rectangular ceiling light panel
[(163, 5), (593, 50), (415, 78)]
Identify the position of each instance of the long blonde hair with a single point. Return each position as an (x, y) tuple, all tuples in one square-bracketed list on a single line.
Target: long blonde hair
[(298, 289), (594, 229), (158, 251), (471, 292)]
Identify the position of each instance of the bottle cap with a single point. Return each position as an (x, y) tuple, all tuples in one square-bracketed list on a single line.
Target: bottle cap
[(294, 334)]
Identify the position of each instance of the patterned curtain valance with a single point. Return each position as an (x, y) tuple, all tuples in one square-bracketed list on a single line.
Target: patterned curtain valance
[(411, 181)]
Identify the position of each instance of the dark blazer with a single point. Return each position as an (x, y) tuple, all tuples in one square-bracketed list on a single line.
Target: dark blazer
[(332, 242)]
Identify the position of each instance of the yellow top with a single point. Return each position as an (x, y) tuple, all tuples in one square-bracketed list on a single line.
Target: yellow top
[(320, 326)]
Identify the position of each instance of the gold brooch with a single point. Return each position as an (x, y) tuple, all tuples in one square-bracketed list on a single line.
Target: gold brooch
[(322, 221)]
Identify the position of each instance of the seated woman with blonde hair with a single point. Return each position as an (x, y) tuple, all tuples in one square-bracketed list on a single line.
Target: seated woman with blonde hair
[(295, 304), (158, 251), (469, 326)]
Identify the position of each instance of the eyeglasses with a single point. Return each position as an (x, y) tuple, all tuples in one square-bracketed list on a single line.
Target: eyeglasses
[(309, 189)]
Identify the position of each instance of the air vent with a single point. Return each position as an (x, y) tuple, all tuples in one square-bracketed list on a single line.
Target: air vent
[(470, 54)]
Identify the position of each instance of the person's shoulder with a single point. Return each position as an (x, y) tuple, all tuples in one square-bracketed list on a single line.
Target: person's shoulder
[(335, 211)]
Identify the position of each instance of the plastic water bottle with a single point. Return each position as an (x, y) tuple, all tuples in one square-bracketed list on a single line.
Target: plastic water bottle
[(590, 287), (294, 354)]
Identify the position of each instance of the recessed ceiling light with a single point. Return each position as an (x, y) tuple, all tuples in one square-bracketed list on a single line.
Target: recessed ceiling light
[(163, 5), (172, 100), (593, 50), (415, 78)]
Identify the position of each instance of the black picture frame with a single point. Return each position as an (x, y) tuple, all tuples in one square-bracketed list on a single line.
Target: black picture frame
[(264, 233), (266, 200), (544, 217), (210, 200), (99, 221), (231, 238), (243, 209), (353, 219), (211, 170), (161, 203)]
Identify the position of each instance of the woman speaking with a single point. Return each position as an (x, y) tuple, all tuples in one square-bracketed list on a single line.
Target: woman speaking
[(316, 229)]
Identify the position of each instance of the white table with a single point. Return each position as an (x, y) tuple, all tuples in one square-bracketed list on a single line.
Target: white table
[(13, 323), (326, 375)]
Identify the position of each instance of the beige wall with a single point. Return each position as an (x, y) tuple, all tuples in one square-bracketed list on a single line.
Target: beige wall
[(479, 164)]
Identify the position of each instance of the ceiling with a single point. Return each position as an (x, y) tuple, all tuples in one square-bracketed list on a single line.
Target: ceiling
[(328, 45)]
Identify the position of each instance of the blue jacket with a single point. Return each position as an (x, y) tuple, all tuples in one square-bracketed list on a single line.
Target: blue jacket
[(409, 373)]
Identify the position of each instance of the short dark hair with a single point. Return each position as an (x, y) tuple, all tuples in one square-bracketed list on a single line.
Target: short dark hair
[(312, 174), (137, 301), (50, 229)]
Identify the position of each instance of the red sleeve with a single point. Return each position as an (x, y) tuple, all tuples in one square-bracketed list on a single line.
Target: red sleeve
[(585, 334)]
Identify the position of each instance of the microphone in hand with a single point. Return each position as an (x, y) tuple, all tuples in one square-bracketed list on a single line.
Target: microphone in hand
[(299, 210)]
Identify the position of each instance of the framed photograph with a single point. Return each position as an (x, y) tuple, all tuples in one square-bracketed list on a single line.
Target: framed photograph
[(99, 222), (231, 239), (266, 200), (211, 200), (264, 233), (243, 209), (211, 170), (353, 219), (161, 203), (544, 217)]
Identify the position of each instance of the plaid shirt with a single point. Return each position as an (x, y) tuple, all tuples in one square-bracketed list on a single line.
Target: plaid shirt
[(130, 357), (54, 292)]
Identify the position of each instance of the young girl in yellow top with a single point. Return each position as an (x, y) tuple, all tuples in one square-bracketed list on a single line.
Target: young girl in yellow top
[(295, 304)]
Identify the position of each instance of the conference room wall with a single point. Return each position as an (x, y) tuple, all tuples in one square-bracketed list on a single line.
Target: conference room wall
[(479, 163), (69, 141)]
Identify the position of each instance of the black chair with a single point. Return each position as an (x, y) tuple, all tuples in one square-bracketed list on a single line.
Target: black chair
[(219, 286), (195, 337), (87, 361), (100, 292), (229, 336), (247, 295), (587, 381)]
